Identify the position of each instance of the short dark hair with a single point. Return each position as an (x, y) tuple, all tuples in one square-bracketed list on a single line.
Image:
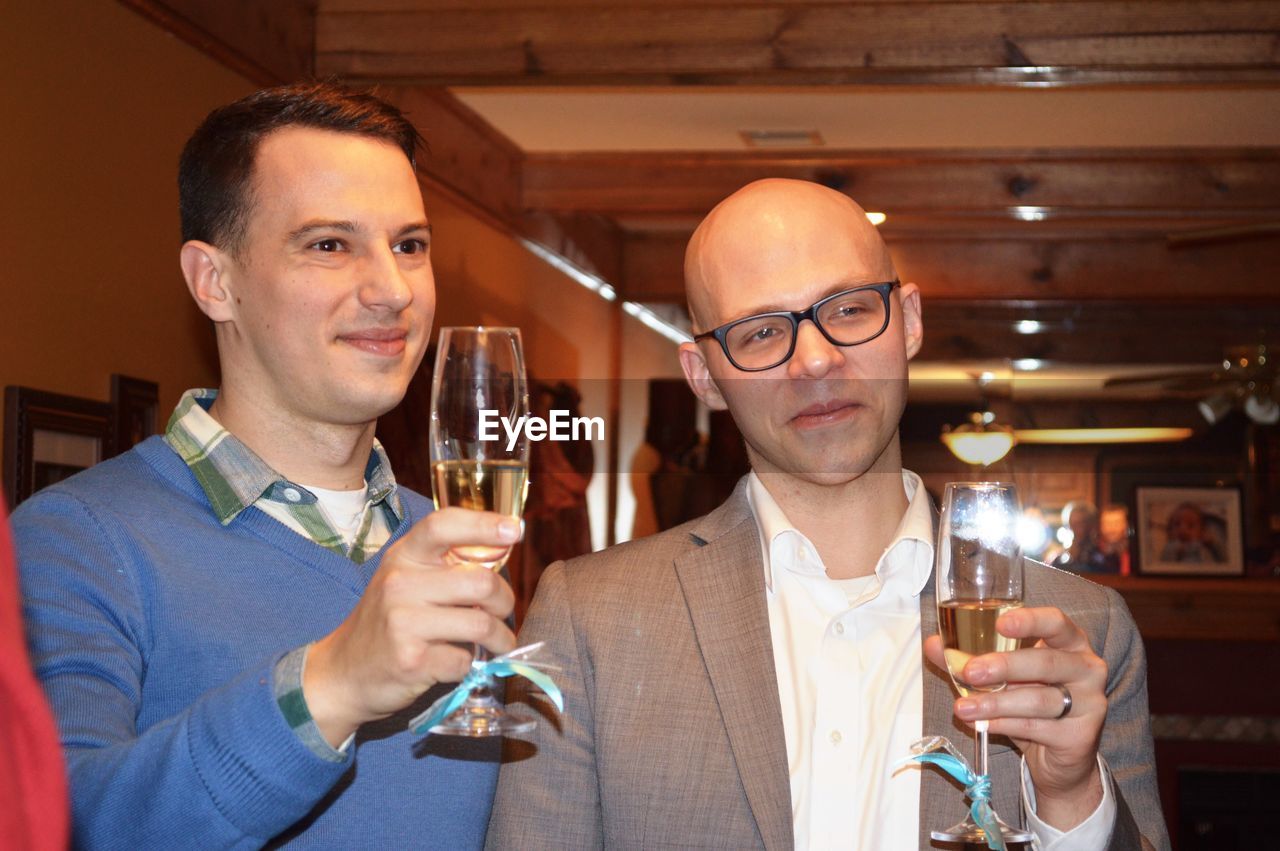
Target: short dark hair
[(215, 172)]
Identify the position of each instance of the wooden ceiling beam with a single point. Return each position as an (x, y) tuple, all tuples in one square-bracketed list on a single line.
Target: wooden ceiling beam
[(269, 43), (463, 152), (1094, 332), (1002, 269), (790, 43), (480, 168), (1191, 182)]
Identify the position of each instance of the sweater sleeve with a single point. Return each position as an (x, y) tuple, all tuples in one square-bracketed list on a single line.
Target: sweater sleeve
[(225, 772)]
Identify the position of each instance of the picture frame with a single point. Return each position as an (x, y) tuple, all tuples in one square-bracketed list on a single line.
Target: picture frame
[(50, 436), (1190, 531), (136, 404)]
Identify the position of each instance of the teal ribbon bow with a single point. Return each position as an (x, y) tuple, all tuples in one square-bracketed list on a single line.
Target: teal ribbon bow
[(977, 787), (521, 662)]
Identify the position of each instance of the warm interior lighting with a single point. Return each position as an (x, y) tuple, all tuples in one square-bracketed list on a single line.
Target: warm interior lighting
[(1102, 435), (876, 219), (979, 442)]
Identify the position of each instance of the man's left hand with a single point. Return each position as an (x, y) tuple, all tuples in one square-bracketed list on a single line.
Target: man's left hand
[(1061, 752)]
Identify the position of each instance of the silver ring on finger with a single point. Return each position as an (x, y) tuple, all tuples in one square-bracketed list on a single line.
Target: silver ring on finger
[(1066, 700)]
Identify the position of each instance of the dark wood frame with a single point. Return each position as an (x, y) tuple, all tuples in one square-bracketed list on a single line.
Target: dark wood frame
[(1150, 563), (27, 411), (136, 404)]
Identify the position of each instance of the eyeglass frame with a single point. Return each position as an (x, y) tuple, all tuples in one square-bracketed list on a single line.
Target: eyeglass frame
[(884, 288)]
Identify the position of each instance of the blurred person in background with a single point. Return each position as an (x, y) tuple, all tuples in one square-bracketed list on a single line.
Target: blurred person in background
[(1113, 535), (1083, 554)]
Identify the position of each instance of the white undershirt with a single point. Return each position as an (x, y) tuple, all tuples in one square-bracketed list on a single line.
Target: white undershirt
[(849, 668), (345, 509)]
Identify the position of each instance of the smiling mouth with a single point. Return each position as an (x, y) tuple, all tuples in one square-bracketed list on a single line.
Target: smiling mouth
[(382, 342), (825, 413)]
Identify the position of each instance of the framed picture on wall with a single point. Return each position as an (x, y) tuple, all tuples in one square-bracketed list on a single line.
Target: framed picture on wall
[(49, 437), (135, 402), (1190, 531)]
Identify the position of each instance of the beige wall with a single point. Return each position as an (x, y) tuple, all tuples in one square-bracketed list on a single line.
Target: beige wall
[(98, 102)]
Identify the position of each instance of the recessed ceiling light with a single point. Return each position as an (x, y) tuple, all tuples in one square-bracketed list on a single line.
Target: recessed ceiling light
[(876, 219), (1028, 326), (781, 138)]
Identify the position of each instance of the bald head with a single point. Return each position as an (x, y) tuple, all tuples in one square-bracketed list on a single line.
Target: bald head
[(778, 223)]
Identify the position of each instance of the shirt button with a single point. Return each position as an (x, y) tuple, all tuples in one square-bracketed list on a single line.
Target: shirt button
[(836, 738), (292, 494), (839, 629)]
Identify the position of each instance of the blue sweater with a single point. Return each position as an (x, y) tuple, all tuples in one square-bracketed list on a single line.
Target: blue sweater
[(155, 632)]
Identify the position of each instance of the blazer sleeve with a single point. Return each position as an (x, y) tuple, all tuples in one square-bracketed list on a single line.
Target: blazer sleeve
[(1126, 737), (549, 796), (226, 772)]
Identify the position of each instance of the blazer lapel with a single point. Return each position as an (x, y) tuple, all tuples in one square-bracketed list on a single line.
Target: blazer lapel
[(942, 804), (723, 584)]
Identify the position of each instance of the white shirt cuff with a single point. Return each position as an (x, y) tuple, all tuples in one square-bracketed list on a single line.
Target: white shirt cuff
[(1089, 835)]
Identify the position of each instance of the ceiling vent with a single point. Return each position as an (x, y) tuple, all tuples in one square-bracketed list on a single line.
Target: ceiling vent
[(781, 138)]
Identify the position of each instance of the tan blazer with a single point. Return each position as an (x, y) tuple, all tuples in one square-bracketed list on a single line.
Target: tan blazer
[(672, 732)]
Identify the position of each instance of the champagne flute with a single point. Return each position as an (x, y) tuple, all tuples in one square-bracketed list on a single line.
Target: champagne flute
[(979, 578), (479, 379)]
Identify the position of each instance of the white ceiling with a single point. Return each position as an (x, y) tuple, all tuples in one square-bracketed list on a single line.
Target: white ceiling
[(542, 120)]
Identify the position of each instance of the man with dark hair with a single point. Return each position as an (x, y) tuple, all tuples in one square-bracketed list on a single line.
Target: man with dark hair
[(215, 190), (234, 622), (754, 678)]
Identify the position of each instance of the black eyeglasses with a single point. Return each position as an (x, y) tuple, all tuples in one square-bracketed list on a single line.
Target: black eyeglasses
[(848, 318)]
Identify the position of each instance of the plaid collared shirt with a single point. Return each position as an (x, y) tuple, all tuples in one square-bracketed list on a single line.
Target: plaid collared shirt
[(234, 478)]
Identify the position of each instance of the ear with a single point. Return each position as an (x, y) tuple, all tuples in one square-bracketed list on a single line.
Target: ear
[(699, 377), (912, 323), (205, 268)]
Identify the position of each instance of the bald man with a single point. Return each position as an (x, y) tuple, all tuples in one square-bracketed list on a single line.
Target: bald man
[(752, 678)]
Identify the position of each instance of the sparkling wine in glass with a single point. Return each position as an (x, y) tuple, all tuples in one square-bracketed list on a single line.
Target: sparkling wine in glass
[(479, 381), (979, 578)]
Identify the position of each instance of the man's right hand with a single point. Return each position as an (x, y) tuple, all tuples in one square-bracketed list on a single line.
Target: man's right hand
[(411, 627)]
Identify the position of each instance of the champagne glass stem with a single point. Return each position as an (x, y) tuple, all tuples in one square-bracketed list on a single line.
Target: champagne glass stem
[(482, 693), (980, 746)]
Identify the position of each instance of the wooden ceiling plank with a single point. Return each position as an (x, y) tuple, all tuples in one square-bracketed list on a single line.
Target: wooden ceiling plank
[(1220, 181), (1093, 332), (701, 43), (1024, 269), (335, 6)]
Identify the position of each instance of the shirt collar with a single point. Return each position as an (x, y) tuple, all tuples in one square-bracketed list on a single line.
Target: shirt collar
[(234, 477), (908, 558)]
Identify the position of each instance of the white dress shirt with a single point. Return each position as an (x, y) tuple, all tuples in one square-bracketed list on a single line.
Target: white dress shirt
[(849, 667)]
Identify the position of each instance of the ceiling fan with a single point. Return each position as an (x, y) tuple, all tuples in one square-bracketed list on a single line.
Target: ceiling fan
[(1249, 377)]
